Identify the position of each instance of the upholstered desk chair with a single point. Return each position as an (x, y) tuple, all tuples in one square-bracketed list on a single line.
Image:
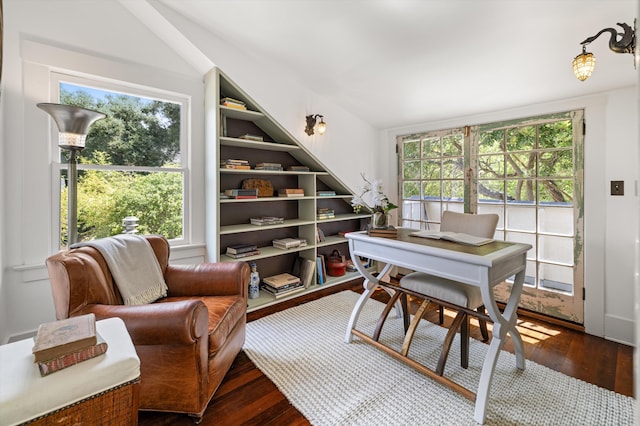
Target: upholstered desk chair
[(186, 341), (452, 293)]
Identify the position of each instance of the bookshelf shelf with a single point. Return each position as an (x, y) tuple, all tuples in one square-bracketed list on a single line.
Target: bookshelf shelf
[(228, 222)]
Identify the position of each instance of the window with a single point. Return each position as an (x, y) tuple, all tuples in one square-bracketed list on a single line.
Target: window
[(527, 171), (133, 164)]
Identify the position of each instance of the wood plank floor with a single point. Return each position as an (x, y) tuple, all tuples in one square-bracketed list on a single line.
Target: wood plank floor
[(248, 397)]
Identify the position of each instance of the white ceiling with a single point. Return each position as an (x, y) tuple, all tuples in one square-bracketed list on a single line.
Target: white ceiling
[(402, 62)]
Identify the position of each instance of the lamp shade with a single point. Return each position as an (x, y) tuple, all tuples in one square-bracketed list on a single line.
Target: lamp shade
[(73, 123), (583, 65)]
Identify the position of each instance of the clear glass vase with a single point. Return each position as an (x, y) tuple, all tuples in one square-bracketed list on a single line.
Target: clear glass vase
[(379, 220)]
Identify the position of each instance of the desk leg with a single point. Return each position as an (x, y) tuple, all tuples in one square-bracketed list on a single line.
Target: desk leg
[(503, 323), (370, 283)]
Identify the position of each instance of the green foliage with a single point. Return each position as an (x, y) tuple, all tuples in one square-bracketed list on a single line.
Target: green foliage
[(105, 198), (522, 163)]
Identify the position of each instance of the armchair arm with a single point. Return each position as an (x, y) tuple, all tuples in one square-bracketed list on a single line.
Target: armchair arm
[(208, 279), (180, 322)]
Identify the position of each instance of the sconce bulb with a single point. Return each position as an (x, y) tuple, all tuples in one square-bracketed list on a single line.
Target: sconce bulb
[(583, 65), (321, 127)]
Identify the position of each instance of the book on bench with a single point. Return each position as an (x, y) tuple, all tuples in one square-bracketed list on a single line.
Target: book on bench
[(456, 237)]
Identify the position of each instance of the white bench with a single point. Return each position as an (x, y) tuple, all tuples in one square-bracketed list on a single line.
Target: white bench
[(102, 389)]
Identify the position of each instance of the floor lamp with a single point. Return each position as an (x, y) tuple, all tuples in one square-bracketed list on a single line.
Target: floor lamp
[(73, 125)]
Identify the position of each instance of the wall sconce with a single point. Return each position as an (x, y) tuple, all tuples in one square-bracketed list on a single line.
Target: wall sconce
[(311, 124), (584, 63), (73, 125)]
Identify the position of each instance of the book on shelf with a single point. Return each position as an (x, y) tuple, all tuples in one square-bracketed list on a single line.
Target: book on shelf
[(235, 166), (241, 193), (67, 360), (281, 280), (287, 243), (320, 236), (304, 269), (343, 233), (235, 161), (325, 213), (325, 193), (321, 269), (241, 248), (298, 168), (266, 220), (57, 338), (241, 255), (280, 294), (269, 167), (321, 216), (291, 192), (249, 137), (456, 237), (233, 103), (351, 267)]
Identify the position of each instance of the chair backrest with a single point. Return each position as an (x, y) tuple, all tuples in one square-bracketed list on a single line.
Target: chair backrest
[(81, 277), (480, 225)]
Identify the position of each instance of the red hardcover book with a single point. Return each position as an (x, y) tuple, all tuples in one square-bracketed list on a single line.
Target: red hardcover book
[(73, 358)]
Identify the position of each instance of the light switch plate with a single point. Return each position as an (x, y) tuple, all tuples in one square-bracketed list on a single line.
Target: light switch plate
[(617, 187)]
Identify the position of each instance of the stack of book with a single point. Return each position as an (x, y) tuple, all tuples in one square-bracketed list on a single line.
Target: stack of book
[(240, 194), (266, 220), (277, 167), (282, 285), (252, 137), (231, 163), (325, 213), (61, 344), (326, 193), (298, 168), (291, 192), (238, 251), (233, 103), (388, 232), (289, 243)]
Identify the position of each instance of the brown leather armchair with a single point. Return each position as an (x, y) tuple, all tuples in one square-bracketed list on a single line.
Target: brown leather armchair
[(186, 341)]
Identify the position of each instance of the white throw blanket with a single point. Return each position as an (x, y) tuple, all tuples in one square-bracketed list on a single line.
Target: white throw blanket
[(134, 267)]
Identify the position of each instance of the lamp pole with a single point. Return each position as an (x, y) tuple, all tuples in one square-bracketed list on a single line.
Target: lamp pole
[(73, 125), (72, 197)]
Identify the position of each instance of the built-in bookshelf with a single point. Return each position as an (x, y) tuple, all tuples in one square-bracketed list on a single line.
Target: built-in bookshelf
[(251, 135)]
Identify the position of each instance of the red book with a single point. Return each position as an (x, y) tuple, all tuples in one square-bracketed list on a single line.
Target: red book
[(72, 358)]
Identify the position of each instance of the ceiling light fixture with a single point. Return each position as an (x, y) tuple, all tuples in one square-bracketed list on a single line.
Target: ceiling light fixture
[(585, 62), (311, 124)]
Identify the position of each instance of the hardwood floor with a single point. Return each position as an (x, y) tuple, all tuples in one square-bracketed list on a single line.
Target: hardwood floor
[(248, 397)]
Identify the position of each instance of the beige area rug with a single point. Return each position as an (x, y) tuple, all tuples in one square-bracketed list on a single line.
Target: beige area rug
[(302, 350)]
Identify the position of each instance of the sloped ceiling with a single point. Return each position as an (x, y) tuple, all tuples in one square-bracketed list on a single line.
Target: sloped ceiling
[(402, 62)]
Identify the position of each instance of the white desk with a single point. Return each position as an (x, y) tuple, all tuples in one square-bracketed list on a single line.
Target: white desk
[(484, 266), (25, 395)]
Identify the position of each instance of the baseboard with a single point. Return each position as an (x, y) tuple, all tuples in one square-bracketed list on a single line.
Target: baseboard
[(620, 330)]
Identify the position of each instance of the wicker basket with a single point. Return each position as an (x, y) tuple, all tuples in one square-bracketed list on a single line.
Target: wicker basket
[(114, 407)]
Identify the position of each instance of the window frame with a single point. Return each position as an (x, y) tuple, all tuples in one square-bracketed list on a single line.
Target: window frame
[(57, 160)]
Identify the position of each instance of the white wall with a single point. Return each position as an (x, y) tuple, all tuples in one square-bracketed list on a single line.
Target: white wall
[(611, 153)]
